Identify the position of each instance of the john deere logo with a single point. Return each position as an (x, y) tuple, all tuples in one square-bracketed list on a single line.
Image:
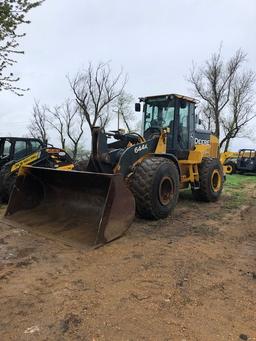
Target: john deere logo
[(140, 148), (201, 141)]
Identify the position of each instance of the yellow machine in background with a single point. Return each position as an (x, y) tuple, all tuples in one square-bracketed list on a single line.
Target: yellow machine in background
[(229, 160), (227, 155), (242, 161), (125, 172), (47, 157)]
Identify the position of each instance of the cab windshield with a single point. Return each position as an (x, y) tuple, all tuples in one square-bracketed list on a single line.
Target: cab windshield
[(159, 113)]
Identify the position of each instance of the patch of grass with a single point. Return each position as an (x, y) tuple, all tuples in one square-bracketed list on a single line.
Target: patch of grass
[(234, 192), (235, 200), (235, 188), (237, 180)]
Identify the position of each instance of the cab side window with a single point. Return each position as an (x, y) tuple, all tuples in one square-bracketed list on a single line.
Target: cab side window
[(35, 145), (183, 137), (20, 150), (7, 148), (168, 115)]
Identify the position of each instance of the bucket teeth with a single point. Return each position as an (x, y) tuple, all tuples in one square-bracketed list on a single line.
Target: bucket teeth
[(81, 208)]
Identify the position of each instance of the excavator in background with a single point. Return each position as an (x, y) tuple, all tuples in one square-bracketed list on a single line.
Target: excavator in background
[(126, 172), (16, 152)]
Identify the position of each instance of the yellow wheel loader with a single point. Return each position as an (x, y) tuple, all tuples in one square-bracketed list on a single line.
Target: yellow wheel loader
[(229, 162), (240, 162), (126, 172)]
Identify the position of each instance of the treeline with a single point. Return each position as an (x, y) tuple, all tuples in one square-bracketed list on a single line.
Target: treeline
[(98, 97), (226, 91)]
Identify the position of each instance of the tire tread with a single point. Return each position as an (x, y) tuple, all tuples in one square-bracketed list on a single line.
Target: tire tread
[(204, 193), (141, 185)]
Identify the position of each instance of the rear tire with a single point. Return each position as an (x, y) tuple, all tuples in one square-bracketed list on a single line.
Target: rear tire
[(231, 167), (155, 186), (211, 180)]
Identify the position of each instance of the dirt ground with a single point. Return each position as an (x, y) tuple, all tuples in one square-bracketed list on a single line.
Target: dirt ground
[(189, 277)]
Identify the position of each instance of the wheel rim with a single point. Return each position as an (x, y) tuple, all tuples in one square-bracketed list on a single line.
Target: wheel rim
[(216, 181), (165, 191), (229, 169)]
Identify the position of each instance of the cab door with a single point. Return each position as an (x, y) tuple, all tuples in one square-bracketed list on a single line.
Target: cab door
[(181, 138), (183, 130), (21, 149), (5, 151)]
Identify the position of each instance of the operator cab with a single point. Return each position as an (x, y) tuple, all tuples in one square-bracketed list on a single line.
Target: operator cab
[(246, 160), (176, 115), (15, 148)]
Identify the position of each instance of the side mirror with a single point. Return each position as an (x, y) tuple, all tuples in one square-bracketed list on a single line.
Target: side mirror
[(198, 120), (137, 107)]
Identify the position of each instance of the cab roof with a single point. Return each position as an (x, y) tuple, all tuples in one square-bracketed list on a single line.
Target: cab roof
[(247, 150), (189, 99), (20, 138)]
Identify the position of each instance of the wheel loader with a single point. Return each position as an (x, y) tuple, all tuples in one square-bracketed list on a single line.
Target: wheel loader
[(126, 173), (18, 151), (229, 162), (243, 161)]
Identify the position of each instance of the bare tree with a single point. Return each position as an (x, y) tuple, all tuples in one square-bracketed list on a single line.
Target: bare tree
[(56, 120), (212, 84), (242, 107), (124, 111), (74, 122), (38, 124), (68, 122), (105, 119), (138, 126), (95, 89), (204, 110)]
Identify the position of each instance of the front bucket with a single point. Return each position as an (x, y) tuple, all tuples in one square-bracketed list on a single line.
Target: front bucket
[(81, 208)]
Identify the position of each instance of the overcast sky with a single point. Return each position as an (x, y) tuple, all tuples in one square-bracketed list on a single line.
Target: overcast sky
[(154, 41)]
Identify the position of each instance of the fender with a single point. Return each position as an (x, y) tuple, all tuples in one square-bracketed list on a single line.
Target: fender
[(133, 155), (171, 157)]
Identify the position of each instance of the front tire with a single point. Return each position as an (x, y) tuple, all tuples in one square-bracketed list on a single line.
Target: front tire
[(155, 186), (211, 180), (230, 167)]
